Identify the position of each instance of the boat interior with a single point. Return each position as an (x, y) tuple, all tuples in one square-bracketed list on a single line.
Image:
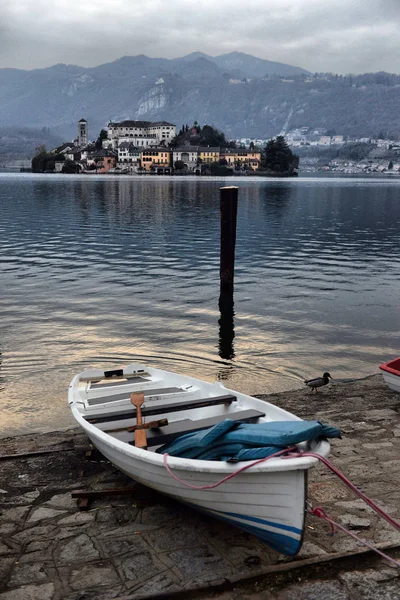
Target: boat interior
[(171, 406)]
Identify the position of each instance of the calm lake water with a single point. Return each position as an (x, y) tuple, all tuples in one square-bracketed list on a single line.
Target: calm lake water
[(103, 271)]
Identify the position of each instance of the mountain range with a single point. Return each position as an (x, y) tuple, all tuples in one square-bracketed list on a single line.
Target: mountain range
[(240, 94)]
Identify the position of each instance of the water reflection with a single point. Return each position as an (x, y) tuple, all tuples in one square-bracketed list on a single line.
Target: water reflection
[(226, 327), (276, 200)]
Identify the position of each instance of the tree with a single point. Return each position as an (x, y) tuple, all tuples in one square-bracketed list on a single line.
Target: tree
[(278, 157), (71, 167), (179, 165), (203, 136), (103, 135), (216, 169), (355, 151), (40, 160), (390, 165), (40, 150), (209, 136)]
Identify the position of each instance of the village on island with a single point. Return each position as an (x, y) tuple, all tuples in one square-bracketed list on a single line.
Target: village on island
[(145, 147), (140, 147)]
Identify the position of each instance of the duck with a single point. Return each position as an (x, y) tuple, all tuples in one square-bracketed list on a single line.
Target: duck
[(314, 384)]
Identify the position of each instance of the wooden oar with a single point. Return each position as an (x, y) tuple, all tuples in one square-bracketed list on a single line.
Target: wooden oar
[(137, 400)]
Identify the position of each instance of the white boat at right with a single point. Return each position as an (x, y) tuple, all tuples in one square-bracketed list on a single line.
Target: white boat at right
[(391, 374)]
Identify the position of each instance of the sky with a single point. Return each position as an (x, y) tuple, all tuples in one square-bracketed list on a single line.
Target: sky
[(342, 36)]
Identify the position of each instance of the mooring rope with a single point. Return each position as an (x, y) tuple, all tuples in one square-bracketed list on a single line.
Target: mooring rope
[(318, 511), (349, 484)]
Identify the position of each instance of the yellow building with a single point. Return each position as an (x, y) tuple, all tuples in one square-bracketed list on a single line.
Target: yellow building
[(209, 155), (242, 157), (155, 158)]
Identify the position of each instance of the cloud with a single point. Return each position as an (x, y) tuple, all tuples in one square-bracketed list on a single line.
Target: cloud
[(320, 35)]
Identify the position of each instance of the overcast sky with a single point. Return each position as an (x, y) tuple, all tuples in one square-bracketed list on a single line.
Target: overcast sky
[(343, 36)]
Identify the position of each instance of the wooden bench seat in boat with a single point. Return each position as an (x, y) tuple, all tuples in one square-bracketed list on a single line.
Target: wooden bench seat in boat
[(111, 382), (125, 395), (168, 433), (160, 410)]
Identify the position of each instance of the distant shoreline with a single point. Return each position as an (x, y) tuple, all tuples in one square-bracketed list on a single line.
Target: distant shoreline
[(300, 175)]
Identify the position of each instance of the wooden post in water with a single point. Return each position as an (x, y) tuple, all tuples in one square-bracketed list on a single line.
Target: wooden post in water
[(229, 201), (228, 204)]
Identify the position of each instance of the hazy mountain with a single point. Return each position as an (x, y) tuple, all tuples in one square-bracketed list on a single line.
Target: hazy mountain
[(20, 143), (250, 66), (226, 91), (244, 65)]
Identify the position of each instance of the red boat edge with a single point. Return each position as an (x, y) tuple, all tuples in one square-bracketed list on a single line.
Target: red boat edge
[(391, 374), (393, 366)]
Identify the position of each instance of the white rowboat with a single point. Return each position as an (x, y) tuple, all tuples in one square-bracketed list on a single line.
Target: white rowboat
[(268, 500)]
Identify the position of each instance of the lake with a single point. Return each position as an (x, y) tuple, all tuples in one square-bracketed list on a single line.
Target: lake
[(102, 271)]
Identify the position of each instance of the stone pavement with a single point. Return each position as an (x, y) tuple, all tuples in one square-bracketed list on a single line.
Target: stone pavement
[(144, 545)]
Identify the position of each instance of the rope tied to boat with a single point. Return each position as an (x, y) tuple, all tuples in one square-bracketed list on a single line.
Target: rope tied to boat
[(230, 476), (320, 512), (346, 481)]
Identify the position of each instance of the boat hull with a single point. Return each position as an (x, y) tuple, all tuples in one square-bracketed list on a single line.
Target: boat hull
[(393, 381), (391, 374), (270, 506)]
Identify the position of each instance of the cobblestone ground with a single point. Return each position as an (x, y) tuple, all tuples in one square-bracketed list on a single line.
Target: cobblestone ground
[(144, 544)]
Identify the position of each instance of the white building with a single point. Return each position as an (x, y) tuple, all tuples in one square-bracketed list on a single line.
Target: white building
[(129, 156), (325, 140), (139, 141), (188, 156), (151, 134)]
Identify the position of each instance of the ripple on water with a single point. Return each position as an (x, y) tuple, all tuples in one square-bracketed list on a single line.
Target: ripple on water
[(106, 272)]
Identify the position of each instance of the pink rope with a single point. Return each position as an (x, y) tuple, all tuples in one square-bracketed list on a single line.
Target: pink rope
[(347, 482), (214, 485), (318, 511)]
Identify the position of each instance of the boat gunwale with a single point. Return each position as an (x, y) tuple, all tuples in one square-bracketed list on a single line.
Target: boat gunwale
[(386, 367), (194, 465)]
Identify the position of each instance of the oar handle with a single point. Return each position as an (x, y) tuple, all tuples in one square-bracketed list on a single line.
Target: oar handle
[(137, 400)]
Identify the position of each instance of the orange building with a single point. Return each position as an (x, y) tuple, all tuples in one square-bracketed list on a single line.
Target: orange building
[(250, 158), (208, 155), (104, 160), (155, 159)]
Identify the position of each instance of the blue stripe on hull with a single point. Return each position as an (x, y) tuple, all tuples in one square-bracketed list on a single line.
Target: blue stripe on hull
[(284, 544), (256, 520), (277, 541)]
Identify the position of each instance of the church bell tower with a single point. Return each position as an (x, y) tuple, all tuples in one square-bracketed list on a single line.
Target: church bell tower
[(82, 133)]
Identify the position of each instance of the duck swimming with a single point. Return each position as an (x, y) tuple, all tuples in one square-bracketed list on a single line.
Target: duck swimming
[(314, 384)]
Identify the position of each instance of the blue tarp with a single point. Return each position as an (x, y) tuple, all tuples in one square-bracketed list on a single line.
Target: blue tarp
[(232, 441)]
